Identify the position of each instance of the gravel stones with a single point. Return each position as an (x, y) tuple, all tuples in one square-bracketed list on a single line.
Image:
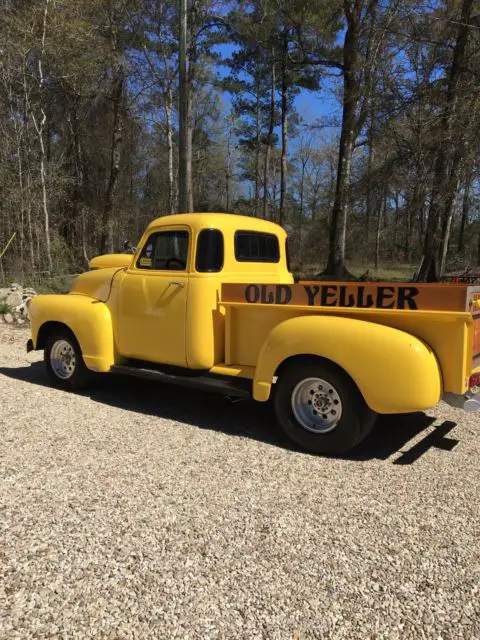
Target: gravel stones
[(139, 510), (14, 298)]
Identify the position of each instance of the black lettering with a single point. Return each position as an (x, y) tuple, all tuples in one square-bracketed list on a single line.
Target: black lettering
[(312, 293), (287, 294), (267, 296), (361, 303), (252, 293), (343, 302), (385, 295), (329, 292), (406, 295)]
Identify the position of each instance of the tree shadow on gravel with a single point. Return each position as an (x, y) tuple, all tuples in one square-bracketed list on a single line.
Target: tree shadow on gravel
[(246, 418)]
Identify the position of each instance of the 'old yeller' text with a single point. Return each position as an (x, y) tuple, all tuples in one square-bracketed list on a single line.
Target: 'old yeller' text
[(329, 295)]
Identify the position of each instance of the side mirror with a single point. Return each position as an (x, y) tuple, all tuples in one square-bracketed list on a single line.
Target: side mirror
[(127, 247)]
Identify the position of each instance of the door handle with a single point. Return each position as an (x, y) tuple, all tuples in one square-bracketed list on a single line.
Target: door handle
[(176, 284)]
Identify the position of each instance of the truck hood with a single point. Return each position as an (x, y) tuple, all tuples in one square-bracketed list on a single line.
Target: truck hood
[(96, 283), (110, 260)]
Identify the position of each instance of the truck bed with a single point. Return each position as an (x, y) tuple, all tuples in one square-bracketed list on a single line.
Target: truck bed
[(444, 316)]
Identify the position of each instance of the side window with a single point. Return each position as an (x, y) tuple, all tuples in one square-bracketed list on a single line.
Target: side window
[(210, 251), (165, 251), (251, 246)]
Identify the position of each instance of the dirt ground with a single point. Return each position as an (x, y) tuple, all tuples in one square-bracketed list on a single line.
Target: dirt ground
[(136, 510)]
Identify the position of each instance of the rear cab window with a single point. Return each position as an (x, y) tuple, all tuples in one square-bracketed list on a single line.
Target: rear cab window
[(210, 251), (254, 246)]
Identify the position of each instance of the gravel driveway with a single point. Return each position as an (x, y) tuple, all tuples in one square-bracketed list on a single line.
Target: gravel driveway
[(145, 511)]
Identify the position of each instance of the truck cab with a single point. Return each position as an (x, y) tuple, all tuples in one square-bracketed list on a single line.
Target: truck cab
[(165, 305)]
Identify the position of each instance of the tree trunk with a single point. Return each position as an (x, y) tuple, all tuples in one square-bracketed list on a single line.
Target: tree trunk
[(228, 174), (271, 124), (257, 153), (84, 239), (283, 166), (465, 210), (413, 204), (40, 126), (429, 268), (185, 117), (449, 211), (21, 193), (421, 220), (407, 251), (300, 221), (381, 205), (338, 228), (171, 182), (27, 170), (189, 150), (369, 182), (70, 224), (227, 191), (29, 224), (106, 238)]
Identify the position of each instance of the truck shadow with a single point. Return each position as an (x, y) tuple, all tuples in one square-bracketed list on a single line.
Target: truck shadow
[(248, 419)]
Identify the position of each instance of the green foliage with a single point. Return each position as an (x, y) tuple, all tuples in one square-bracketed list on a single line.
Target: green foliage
[(5, 308)]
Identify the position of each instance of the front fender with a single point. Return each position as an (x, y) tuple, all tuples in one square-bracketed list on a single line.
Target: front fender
[(86, 317), (395, 371)]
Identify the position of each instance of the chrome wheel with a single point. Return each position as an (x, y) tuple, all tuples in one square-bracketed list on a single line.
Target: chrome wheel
[(62, 359), (316, 405)]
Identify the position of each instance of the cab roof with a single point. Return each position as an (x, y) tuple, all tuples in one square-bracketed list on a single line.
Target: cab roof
[(223, 221)]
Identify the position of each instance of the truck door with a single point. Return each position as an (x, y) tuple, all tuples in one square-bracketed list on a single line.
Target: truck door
[(153, 300)]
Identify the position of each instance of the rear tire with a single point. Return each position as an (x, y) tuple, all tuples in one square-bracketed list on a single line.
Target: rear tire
[(64, 361), (320, 409)]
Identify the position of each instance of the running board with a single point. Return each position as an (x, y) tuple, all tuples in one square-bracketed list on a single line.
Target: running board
[(232, 387)]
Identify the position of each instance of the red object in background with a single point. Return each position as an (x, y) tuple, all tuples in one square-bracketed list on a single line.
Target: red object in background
[(474, 381), (471, 279)]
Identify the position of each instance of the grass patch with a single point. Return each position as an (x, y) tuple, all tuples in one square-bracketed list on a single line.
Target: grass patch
[(5, 308), (400, 272)]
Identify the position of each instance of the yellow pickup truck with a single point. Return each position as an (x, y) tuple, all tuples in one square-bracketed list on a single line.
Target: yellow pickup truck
[(208, 301)]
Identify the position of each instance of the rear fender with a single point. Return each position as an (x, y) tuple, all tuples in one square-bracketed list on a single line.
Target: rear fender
[(88, 319), (394, 371)]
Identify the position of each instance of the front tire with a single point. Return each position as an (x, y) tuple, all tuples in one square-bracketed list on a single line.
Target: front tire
[(64, 361), (320, 409)]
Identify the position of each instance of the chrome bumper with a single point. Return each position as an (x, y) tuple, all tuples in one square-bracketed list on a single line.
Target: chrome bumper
[(469, 402)]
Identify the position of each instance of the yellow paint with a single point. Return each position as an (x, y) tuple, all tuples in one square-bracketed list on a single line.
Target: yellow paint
[(400, 360), (449, 334), (151, 318), (203, 323), (111, 260), (394, 371), (95, 284), (87, 318), (233, 371)]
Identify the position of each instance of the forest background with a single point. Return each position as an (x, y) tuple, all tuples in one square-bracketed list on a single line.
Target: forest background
[(352, 123)]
